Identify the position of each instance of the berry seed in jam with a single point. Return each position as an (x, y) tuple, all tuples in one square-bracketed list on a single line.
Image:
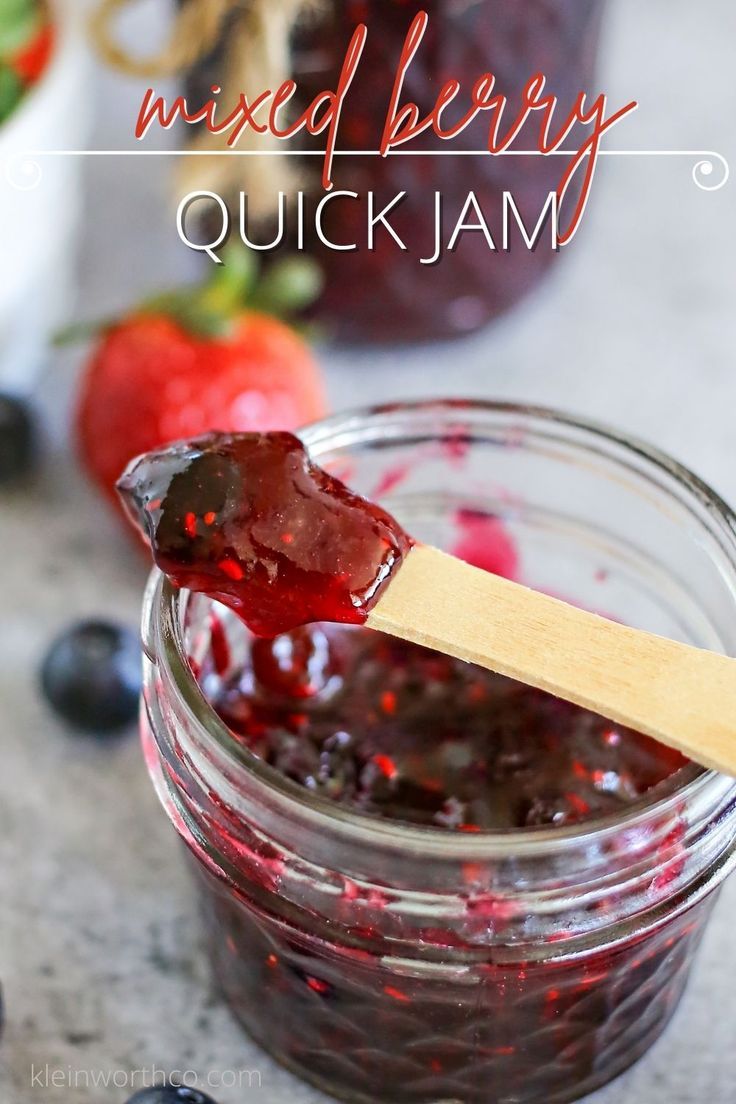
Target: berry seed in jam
[(250, 521)]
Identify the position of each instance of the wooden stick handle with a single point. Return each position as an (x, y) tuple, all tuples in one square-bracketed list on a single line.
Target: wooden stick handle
[(680, 695)]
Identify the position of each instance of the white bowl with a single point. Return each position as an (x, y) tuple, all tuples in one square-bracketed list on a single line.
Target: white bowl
[(40, 202)]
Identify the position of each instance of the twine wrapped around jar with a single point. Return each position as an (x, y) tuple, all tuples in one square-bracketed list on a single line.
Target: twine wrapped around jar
[(257, 57)]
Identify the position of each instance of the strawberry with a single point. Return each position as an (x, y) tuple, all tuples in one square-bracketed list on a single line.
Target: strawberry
[(197, 360), (29, 62), (26, 43)]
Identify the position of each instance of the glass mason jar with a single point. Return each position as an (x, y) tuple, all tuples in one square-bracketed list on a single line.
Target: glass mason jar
[(387, 295), (382, 961)]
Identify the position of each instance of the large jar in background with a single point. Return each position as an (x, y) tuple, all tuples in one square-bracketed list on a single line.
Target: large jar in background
[(386, 295)]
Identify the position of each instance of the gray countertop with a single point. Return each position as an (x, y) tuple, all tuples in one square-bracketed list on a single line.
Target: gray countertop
[(100, 954)]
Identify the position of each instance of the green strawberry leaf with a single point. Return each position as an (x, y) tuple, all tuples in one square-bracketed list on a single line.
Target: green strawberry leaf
[(78, 332), (11, 92), (198, 320), (211, 310), (289, 287), (14, 9), (191, 312), (20, 22), (231, 284)]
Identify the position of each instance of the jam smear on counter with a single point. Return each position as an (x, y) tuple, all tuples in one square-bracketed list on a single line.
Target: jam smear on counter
[(249, 520), (374, 723)]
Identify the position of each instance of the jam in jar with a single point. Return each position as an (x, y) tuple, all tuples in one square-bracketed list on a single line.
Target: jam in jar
[(386, 294), (422, 881)]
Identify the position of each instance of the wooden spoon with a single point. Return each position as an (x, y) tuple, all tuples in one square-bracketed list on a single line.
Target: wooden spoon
[(683, 696)]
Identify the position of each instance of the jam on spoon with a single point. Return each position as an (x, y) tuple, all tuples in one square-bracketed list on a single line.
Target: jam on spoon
[(372, 722), (250, 521)]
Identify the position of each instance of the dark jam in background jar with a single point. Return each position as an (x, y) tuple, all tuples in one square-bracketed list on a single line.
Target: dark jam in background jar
[(386, 295), (421, 882)]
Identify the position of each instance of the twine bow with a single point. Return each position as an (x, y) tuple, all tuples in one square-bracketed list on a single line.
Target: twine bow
[(195, 33), (257, 57)]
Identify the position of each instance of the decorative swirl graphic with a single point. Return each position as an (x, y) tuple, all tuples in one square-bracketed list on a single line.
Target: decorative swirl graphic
[(23, 172), (712, 172)]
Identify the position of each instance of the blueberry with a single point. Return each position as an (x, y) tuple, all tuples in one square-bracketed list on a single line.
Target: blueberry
[(91, 676), (170, 1094), (16, 438)]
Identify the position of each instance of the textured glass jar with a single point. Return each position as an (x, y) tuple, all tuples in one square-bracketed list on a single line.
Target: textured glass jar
[(387, 295), (395, 963)]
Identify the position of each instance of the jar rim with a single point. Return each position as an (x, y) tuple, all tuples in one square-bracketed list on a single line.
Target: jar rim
[(163, 619)]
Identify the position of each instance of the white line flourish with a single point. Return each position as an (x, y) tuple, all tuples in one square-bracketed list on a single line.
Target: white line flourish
[(22, 170)]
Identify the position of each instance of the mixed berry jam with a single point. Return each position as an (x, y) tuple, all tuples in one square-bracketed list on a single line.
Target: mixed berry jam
[(373, 991), (452, 891), (386, 294), (339, 1011), (405, 979), (395, 730), (378, 724), (248, 520), (356, 988)]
